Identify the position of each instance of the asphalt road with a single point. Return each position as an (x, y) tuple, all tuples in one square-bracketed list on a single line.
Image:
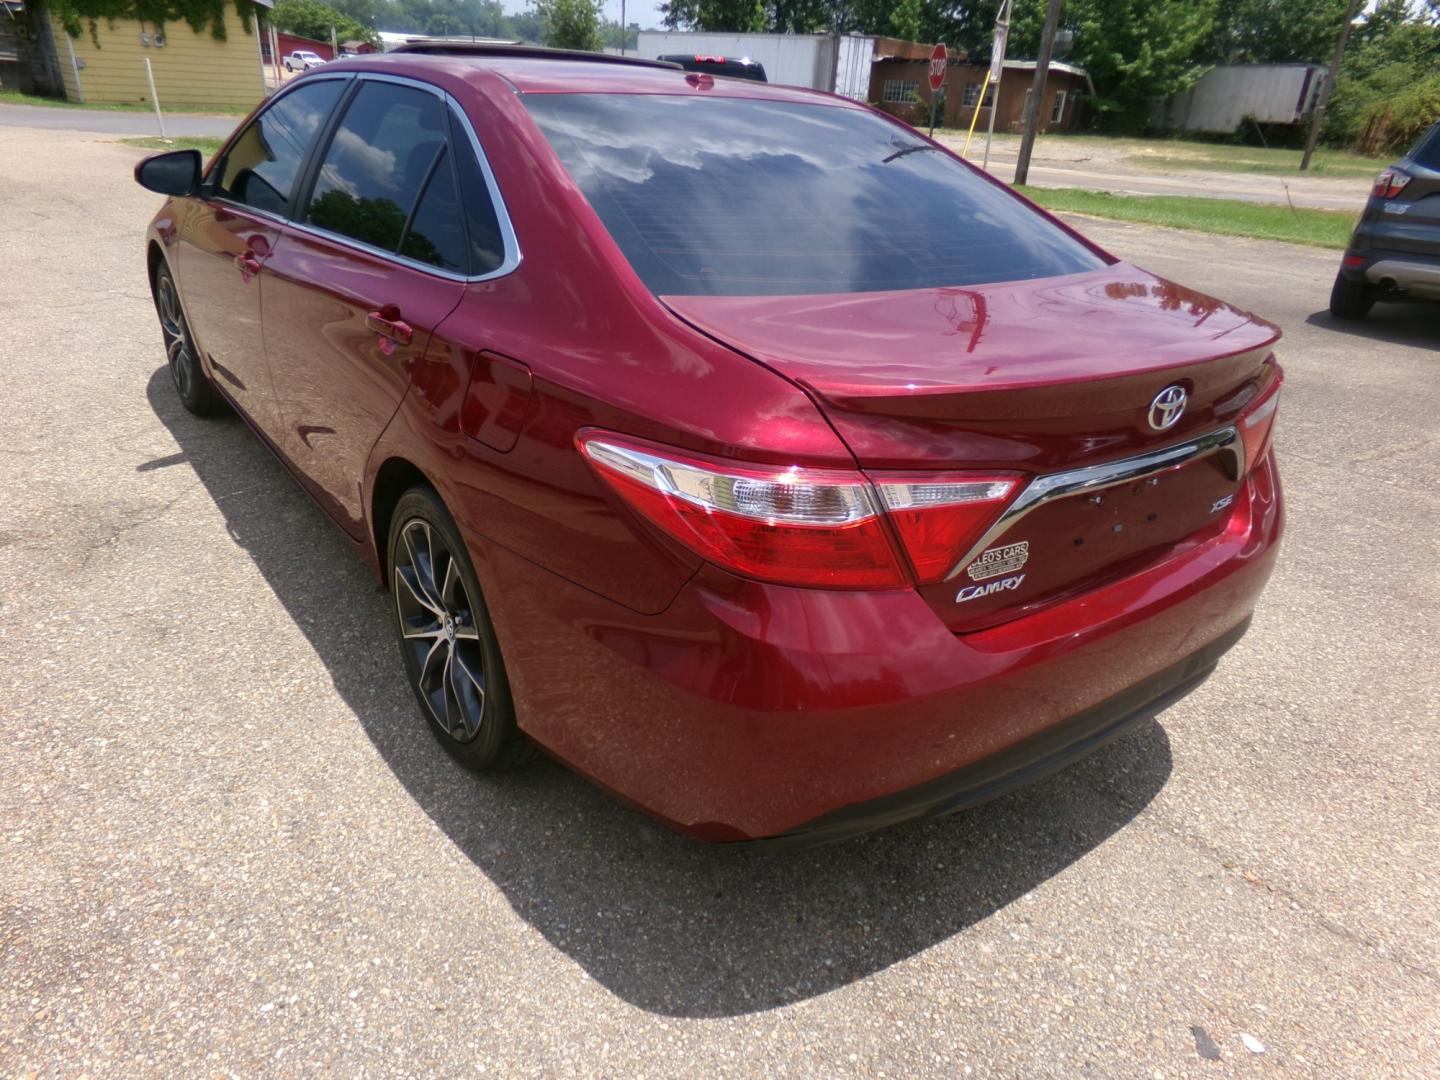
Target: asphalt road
[(229, 847), (112, 121)]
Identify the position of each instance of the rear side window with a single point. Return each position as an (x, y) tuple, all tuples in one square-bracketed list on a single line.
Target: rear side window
[(263, 163), (486, 243), (379, 159), (726, 196)]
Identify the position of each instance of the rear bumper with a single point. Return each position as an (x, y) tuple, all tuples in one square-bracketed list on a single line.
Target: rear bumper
[(1417, 274), (1414, 274), (748, 711), (1025, 762)]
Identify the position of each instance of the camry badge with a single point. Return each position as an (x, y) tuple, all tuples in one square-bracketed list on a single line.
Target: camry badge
[(1168, 407)]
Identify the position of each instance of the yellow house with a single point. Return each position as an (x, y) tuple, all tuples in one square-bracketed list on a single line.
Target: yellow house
[(190, 68)]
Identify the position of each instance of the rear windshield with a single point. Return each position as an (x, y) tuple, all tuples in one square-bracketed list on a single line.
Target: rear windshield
[(732, 197), (1427, 150)]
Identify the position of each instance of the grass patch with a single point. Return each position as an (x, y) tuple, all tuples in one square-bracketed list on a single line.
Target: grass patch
[(1247, 159), (1227, 217), (204, 143), (1182, 155), (12, 97)]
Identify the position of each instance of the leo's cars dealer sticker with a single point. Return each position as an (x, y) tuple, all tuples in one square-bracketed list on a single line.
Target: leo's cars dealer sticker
[(999, 560)]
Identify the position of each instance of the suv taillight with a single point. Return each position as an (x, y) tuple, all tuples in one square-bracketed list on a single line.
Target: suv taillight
[(798, 526), (1389, 184)]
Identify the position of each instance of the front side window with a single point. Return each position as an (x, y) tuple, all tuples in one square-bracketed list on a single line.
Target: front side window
[(726, 196), (390, 141), (263, 163)]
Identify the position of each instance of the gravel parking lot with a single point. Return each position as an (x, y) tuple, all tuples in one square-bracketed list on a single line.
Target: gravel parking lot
[(228, 846)]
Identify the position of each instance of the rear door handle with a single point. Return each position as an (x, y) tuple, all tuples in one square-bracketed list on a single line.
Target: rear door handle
[(387, 323), (248, 264)]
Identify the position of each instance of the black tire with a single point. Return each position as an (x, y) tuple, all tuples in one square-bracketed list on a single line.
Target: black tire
[(192, 385), (445, 634), (1350, 299)]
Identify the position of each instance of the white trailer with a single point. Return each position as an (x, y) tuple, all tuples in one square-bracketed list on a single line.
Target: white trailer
[(839, 63), (1227, 96)]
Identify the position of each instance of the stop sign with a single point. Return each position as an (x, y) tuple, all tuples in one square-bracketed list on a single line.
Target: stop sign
[(937, 67)]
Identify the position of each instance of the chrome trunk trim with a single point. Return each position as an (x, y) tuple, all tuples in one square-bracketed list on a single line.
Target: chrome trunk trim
[(1062, 485)]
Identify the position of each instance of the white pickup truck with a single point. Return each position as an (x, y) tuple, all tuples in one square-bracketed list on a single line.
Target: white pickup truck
[(303, 60)]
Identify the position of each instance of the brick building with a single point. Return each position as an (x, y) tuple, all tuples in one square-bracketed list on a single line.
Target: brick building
[(902, 87)]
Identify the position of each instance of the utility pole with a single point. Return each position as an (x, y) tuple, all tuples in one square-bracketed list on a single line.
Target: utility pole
[(1317, 118), (623, 31), (1037, 91)]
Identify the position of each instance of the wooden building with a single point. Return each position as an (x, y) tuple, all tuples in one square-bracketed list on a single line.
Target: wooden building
[(107, 66)]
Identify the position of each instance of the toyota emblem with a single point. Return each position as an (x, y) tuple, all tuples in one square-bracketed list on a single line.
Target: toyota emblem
[(1168, 407)]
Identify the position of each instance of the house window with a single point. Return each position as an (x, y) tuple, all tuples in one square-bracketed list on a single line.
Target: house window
[(972, 95), (900, 91), (1057, 114)]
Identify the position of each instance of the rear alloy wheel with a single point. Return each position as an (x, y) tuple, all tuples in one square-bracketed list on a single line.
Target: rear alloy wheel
[(1350, 299), (191, 383), (447, 639)]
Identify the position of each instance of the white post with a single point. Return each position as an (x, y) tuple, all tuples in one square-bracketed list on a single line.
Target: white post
[(275, 56), (335, 45), (997, 55), (150, 74), (75, 67), (622, 27), (260, 54)]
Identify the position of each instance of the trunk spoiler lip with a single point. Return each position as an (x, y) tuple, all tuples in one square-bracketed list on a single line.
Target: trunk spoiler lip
[(856, 386), (1059, 485)]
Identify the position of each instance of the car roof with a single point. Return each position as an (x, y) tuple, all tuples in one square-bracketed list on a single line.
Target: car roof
[(557, 72)]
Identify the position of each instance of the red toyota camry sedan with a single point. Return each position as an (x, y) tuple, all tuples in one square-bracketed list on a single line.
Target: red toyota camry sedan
[(732, 443)]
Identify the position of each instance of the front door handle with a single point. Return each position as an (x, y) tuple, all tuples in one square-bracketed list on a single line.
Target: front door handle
[(248, 264), (387, 323)]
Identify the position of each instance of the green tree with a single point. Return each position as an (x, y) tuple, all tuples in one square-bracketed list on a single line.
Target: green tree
[(743, 16), (1137, 52), (571, 24), (905, 20), (1273, 31), (312, 19), (1389, 84)]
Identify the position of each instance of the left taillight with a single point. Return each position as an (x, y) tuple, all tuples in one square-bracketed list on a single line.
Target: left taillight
[(1389, 184), (828, 528)]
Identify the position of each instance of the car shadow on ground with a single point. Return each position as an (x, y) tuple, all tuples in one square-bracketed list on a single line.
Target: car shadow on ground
[(669, 925), (1406, 322)]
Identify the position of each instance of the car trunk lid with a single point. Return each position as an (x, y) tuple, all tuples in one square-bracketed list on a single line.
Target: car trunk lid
[(1031, 377)]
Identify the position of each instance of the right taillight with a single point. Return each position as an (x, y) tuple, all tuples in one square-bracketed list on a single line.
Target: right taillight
[(940, 517), (1258, 422), (790, 525), (1389, 184)]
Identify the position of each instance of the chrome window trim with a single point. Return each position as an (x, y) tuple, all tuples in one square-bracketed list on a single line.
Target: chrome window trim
[(511, 260), (1061, 485)]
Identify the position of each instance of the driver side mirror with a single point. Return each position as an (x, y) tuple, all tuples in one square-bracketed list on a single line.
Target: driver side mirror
[(175, 173)]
